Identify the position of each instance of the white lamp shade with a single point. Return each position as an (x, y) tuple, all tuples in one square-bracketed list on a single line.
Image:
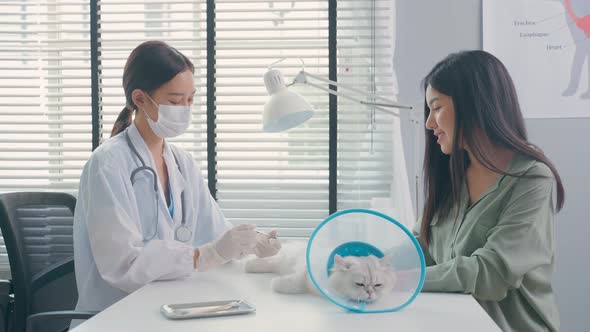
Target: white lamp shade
[(284, 110)]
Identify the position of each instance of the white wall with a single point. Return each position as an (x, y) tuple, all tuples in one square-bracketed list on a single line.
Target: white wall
[(428, 30)]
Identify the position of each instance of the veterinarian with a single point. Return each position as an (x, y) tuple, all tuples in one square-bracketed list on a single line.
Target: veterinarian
[(144, 212)]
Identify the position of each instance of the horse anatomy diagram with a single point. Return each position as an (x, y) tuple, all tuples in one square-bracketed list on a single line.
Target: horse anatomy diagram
[(546, 47)]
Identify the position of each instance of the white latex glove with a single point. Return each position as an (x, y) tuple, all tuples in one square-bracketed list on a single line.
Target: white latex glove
[(267, 244), (232, 244)]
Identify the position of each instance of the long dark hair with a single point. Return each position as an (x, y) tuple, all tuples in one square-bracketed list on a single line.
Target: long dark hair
[(486, 111), (149, 66)]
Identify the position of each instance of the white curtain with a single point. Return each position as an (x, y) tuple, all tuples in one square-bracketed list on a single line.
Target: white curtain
[(399, 204)]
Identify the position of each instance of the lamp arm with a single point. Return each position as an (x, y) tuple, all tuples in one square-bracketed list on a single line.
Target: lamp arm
[(336, 93), (303, 75), (394, 105)]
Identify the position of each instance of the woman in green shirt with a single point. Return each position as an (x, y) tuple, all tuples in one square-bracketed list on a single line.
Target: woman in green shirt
[(487, 226)]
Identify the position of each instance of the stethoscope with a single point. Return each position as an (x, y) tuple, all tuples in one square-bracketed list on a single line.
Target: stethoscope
[(183, 233)]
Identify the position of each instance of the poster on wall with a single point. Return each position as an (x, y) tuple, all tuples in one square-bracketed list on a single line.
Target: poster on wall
[(545, 44)]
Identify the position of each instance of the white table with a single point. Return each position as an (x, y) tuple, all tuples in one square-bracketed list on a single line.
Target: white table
[(140, 311)]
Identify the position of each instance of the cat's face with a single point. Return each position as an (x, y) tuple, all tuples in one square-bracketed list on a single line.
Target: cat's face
[(362, 278)]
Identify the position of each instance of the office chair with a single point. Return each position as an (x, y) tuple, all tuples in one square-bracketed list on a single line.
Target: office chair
[(38, 234), (5, 303)]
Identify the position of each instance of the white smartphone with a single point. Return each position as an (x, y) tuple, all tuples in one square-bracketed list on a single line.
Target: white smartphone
[(206, 309)]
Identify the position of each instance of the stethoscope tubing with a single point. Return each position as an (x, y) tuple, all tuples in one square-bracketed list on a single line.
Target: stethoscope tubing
[(153, 173)]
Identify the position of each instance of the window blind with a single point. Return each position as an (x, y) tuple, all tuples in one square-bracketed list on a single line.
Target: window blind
[(280, 180), (275, 180), (45, 113), (45, 124)]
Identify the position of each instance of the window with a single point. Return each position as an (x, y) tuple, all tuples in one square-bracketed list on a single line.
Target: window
[(279, 180), (365, 62)]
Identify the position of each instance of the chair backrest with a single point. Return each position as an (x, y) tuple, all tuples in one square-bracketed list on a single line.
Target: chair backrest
[(38, 233)]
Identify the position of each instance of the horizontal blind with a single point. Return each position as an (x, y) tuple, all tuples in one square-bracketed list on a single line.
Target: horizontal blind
[(365, 62), (126, 24), (45, 122), (275, 180), (45, 114)]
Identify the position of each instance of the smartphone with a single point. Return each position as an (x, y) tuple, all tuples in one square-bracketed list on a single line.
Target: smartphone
[(206, 309)]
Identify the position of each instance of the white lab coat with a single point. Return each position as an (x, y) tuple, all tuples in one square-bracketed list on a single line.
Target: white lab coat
[(113, 218)]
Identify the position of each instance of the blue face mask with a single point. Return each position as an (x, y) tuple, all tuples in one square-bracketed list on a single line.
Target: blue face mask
[(173, 120)]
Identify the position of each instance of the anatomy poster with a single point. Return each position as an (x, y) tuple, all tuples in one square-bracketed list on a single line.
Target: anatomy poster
[(545, 44)]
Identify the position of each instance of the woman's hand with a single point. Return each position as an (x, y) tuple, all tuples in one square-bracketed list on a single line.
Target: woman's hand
[(237, 240), (232, 244)]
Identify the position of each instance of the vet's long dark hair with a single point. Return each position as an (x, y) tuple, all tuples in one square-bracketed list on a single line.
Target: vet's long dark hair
[(486, 111), (149, 66)]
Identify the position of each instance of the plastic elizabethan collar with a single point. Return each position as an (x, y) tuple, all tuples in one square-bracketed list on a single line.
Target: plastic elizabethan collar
[(361, 232)]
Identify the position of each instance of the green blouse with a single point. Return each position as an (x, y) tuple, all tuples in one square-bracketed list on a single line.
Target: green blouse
[(500, 249)]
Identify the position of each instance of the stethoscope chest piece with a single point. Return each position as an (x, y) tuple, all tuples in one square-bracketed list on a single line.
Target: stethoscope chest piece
[(183, 233)]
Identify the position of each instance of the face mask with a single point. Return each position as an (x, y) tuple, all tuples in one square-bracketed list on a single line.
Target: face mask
[(172, 121)]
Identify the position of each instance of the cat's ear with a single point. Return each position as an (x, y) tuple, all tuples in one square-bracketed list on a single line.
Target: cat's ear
[(340, 263)]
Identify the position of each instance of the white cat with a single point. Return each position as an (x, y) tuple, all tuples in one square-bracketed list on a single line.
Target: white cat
[(364, 279)]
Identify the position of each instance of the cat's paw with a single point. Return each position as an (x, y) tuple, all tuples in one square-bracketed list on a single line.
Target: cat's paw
[(281, 285), (260, 265), (252, 265), (289, 284)]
